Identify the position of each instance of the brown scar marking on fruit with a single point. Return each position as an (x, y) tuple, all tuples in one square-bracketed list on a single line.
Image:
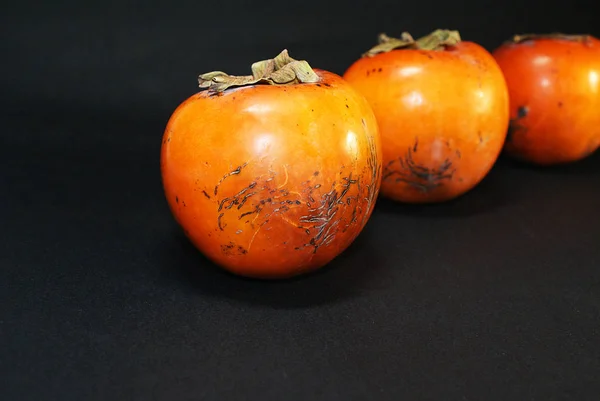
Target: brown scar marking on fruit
[(236, 171), (416, 175)]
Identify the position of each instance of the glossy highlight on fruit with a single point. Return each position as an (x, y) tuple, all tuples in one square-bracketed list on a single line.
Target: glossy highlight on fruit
[(442, 108), (274, 174), (554, 88)]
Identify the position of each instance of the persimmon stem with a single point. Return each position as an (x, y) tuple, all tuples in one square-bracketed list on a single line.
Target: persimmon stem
[(436, 40), (281, 70), (555, 35)]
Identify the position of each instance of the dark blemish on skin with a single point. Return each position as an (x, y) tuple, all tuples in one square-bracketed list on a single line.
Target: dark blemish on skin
[(242, 250), (183, 203), (417, 176), (219, 221), (379, 70), (429, 56), (347, 106), (560, 104), (480, 137), (297, 202), (312, 109), (169, 139), (236, 171), (514, 126), (416, 146), (226, 249), (327, 85), (458, 154), (316, 173), (522, 111), (176, 199), (368, 73), (319, 85), (244, 199), (206, 194)]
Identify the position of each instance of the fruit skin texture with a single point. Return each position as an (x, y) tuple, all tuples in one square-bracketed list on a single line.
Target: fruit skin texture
[(442, 115), (273, 181), (554, 89)]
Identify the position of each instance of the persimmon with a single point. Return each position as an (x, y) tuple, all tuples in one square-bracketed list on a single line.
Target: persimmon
[(274, 174), (442, 108), (554, 89)]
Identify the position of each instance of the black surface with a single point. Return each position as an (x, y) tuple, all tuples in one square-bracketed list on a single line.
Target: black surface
[(494, 296)]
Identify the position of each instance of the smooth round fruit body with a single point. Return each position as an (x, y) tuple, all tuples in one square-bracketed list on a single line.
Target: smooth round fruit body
[(273, 181), (442, 115), (554, 89)]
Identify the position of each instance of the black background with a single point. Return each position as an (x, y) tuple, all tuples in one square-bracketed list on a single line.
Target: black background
[(493, 296)]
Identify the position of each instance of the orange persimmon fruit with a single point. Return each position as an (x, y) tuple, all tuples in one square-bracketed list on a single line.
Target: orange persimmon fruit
[(442, 108), (554, 88), (274, 174)]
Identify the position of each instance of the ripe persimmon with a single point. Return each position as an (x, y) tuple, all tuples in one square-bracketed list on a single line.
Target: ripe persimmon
[(274, 174), (554, 89), (442, 108)]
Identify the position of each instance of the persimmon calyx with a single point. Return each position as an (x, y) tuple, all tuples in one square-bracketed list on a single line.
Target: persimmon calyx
[(280, 70), (436, 40), (555, 35)]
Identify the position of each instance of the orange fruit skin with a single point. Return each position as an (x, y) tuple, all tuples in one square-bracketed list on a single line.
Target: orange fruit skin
[(554, 89), (273, 181), (442, 115)]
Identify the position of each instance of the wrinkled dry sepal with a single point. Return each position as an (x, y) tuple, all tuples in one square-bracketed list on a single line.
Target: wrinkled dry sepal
[(387, 44), (219, 81), (280, 70), (556, 35), (298, 70), (437, 40)]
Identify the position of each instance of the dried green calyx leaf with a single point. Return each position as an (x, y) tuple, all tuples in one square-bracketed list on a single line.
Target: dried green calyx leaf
[(556, 35), (437, 40), (280, 70)]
